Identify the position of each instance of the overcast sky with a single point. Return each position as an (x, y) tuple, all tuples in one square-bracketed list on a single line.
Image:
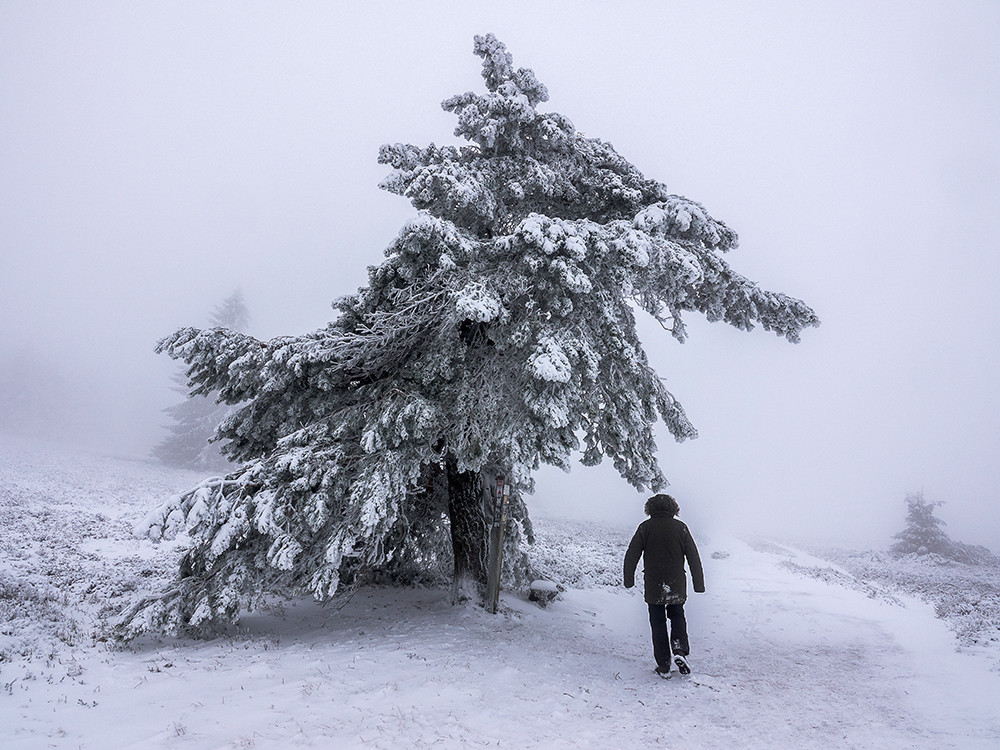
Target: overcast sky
[(154, 157)]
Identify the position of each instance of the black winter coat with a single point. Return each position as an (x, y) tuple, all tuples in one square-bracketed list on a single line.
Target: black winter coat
[(664, 543)]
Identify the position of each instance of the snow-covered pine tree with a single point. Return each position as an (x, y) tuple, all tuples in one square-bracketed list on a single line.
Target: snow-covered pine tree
[(497, 334), (189, 443), (923, 535)]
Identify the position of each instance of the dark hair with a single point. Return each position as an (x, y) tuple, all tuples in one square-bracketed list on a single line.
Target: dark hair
[(662, 504)]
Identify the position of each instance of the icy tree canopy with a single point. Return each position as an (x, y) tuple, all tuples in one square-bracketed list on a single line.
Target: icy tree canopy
[(497, 334)]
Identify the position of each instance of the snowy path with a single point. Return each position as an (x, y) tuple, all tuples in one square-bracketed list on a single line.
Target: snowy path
[(781, 660)]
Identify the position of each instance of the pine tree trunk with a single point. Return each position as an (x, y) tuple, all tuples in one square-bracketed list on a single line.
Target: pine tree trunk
[(469, 533)]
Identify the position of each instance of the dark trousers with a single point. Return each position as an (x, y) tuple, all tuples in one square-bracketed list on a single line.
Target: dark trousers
[(663, 642)]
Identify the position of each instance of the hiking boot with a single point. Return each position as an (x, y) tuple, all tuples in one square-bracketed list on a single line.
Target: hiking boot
[(682, 665)]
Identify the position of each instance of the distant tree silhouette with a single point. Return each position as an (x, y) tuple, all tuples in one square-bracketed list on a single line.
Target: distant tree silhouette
[(189, 444), (923, 535)]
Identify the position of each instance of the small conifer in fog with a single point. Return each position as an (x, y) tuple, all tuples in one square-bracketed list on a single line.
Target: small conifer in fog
[(924, 535), (190, 444)]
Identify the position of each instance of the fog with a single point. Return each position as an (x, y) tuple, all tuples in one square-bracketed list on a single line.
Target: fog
[(156, 157)]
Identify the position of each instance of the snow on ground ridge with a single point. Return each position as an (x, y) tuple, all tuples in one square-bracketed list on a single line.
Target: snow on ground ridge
[(784, 654)]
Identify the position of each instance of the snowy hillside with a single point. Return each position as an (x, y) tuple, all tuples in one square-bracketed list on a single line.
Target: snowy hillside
[(788, 650)]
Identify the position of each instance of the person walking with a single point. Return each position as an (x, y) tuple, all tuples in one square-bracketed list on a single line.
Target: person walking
[(664, 543)]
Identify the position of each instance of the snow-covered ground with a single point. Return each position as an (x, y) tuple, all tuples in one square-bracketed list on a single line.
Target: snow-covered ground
[(788, 651)]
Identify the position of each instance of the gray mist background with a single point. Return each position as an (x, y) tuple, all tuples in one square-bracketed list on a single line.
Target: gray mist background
[(154, 157)]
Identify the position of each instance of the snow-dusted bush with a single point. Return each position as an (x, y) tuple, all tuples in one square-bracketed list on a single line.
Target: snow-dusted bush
[(579, 555), (68, 560)]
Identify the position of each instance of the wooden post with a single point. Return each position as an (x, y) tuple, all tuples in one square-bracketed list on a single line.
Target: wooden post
[(496, 545)]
